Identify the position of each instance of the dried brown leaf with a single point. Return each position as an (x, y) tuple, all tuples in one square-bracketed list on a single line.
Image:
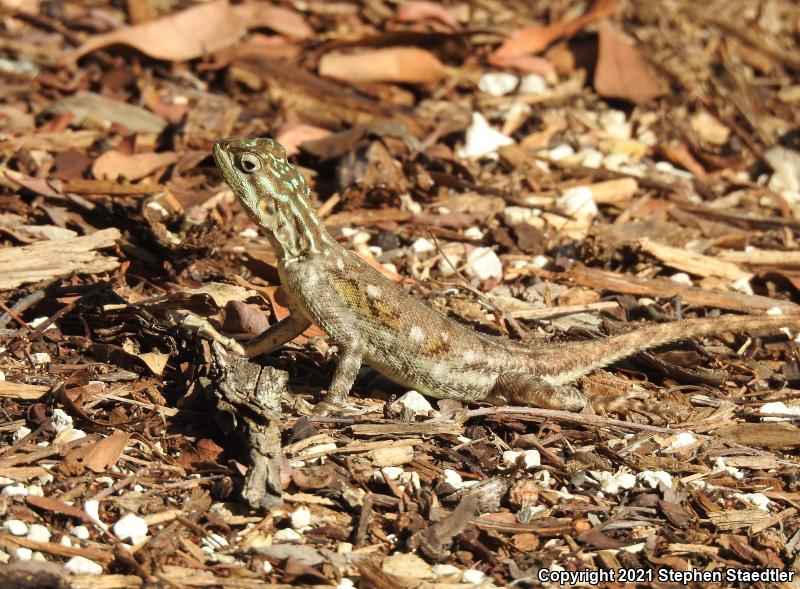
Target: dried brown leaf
[(187, 34), (419, 11), (281, 20), (621, 70), (409, 65), (113, 165), (97, 456)]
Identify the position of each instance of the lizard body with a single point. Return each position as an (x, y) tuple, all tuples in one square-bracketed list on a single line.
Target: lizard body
[(374, 321)]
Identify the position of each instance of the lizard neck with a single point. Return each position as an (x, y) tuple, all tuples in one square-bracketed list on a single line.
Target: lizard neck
[(274, 194)]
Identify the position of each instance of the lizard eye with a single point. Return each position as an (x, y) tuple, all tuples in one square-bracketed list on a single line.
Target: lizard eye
[(249, 163)]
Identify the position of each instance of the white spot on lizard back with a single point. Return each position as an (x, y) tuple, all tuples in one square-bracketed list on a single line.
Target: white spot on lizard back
[(340, 263), (417, 334), (373, 291)]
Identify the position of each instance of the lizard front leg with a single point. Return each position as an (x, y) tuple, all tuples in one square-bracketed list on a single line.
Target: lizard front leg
[(274, 336), (519, 388)]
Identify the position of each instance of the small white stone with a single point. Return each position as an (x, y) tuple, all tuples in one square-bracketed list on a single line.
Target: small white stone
[(510, 458), (578, 202), (34, 491), (130, 526), (248, 233), (481, 139), (92, 509), (69, 435), (23, 554), (670, 169), (21, 432), (540, 261), (652, 478), (414, 402), (498, 83), (592, 158), (533, 84), (452, 478), (515, 215), (615, 124), (681, 278), (2, 376), (474, 233), (41, 358), (345, 583), (360, 238), (80, 532), (758, 500), (409, 204), (482, 263), (682, 440), (15, 491), (742, 285), (61, 420), (266, 567), (301, 518), (445, 570), (422, 246), (286, 535), (720, 466), (388, 473), (39, 533), (16, 527), (531, 459), (213, 542), (779, 407), (65, 541), (560, 152), (473, 576), (344, 548), (79, 565)]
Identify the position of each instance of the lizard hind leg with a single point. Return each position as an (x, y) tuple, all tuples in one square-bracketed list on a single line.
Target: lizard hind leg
[(518, 388)]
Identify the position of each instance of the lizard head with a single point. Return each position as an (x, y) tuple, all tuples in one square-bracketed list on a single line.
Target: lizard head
[(271, 190)]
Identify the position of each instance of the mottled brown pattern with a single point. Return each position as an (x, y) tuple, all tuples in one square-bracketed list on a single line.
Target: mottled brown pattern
[(352, 291)]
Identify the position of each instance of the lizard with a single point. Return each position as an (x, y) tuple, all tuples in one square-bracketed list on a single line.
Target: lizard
[(375, 321)]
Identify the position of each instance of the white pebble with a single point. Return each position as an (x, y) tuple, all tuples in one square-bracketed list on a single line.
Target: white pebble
[(388, 473), (248, 233), (533, 84), (301, 518), (578, 202), (266, 567), (445, 570), (779, 407), (413, 402), (758, 500), (481, 139), (21, 432), (39, 533), (682, 440), (80, 532), (2, 376), (540, 261), (482, 263), (65, 541), (61, 420), (515, 215), (742, 285), (498, 83), (452, 478), (473, 233), (286, 535), (40, 358), (422, 246), (130, 526), (560, 152), (92, 509), (79, 565), (15, 491), (16, 527), (345, 583), (34, 491), (23, 553), (681, 278), (592, 158), (473, 576), (615, 124), (652, 478)]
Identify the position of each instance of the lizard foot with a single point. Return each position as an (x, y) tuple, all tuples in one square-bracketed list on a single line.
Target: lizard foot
[(203, 328), (518, 388)]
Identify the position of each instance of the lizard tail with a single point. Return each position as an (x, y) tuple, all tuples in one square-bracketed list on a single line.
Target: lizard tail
[(567, 361)]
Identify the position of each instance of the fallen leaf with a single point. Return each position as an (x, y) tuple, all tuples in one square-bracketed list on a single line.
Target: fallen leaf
[(155, 362), (58, 507), (293, 136), (113, 165), (621, 70), (204, 451), (535, 38), (409, 65), (98, 456), (419, 11), (187, 34), (281, 20)]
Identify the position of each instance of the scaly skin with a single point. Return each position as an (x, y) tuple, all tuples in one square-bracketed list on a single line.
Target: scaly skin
[(374, 321)]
